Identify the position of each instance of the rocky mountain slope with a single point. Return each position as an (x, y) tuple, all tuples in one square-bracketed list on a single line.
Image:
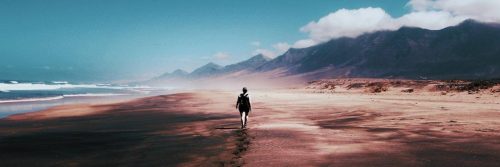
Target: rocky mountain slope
[(470, 50)]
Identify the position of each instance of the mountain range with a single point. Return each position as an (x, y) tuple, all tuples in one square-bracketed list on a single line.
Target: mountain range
[(470, 50)]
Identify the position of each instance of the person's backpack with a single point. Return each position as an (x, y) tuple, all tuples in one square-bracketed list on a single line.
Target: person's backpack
[(244, 101)]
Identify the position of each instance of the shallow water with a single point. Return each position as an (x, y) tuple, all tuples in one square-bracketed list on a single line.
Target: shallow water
[(25, 96)]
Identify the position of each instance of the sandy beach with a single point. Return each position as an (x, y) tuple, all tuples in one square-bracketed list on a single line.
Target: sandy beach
[(287, 127)]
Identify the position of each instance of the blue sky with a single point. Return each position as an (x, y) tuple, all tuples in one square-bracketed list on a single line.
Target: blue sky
[(111, 40)]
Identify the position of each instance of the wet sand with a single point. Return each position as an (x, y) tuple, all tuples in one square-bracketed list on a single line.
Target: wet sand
[(178, 129), (286, 128)]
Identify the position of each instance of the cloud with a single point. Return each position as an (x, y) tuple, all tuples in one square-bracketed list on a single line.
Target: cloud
[(482, 10), (349, 23), (281, 47), (304, 43), (355, 22), (432, 20), (265, 52), (427, 14), (255, 43), (217, 57), (221, 56), (277, 49), (420, 5)]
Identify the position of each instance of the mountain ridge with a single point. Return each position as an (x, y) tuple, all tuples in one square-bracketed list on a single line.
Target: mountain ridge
[(469, 50)]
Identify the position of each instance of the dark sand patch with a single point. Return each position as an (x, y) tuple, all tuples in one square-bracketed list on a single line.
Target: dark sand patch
[(147, 132)]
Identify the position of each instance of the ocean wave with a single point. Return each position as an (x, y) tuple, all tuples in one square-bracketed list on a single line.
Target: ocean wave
[(31, 99), (61, 97), (94, 94), (42, 86), (60, 82)]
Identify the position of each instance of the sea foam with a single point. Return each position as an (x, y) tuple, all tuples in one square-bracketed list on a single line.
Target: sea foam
[(31, 99)]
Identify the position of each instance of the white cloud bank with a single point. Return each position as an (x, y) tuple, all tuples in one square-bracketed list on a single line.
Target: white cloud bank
[(427, 14), (482, 10), (349, 23)]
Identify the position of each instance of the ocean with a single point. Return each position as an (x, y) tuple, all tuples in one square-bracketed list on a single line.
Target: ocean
[(26, 96)]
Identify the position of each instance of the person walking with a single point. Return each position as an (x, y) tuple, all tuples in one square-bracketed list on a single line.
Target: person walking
[(244, 106)]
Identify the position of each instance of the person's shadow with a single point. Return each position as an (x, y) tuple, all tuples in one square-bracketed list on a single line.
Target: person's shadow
[(228, 126)]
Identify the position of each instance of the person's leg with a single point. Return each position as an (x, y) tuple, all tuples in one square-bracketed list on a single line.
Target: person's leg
[(246, 117), (243, 115)]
